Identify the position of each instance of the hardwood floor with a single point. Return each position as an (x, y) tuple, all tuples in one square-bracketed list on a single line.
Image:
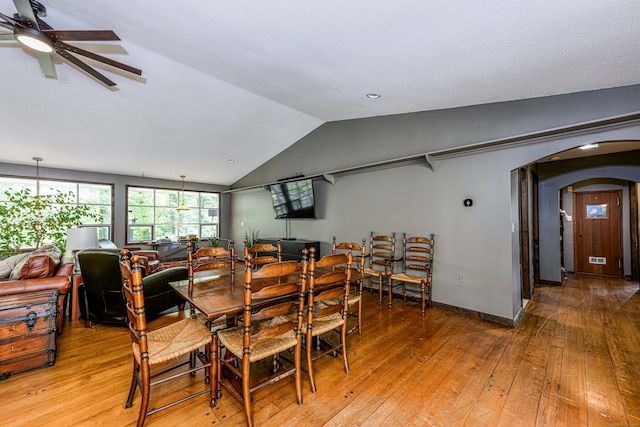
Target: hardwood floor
[(573, 359)]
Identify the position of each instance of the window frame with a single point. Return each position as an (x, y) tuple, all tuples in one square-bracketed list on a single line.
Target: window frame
[(43, 182), (181, 196)]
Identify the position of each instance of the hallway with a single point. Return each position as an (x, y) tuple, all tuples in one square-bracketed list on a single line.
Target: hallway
[(588, 332)]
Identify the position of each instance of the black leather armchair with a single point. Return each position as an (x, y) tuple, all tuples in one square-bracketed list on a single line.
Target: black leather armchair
[(100, 294)]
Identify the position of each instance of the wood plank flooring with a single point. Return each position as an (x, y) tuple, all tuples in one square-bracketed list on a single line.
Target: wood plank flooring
[(573, 360)]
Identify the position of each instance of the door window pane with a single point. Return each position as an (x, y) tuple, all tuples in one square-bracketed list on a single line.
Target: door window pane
[(598, 211)]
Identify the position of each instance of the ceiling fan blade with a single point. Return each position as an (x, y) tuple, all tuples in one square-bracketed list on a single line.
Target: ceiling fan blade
[(27, 16), (75, 61), (46, 64), (9, 19), (7, 26), (7, 36), (99, 58), (81, 35)]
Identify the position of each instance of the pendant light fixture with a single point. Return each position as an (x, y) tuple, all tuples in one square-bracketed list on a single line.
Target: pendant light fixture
[(38, 160), (182, 206), (37, 223)]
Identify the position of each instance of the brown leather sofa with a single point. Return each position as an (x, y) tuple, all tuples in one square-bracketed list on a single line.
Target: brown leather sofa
[(41, 272)]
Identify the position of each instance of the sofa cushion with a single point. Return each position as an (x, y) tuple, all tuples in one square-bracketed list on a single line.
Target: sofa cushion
[(8, 264), (43, 262)]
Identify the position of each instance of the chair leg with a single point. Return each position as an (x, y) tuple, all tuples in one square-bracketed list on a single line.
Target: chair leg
[(216, 368), (379, 290), (246, 389), (146, 390), (134, 384), (297, 356), (360, 315), (422, 299), (192, 362), (404, 292), (209, 374), (309, 347), (390, 286), (343, 339)]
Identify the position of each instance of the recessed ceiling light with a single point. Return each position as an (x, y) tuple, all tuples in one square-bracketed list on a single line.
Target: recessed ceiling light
[(373, 95), (588, 146), (231, 160), (555, 158)]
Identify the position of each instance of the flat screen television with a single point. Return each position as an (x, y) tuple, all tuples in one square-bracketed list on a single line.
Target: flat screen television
[(293, 199)]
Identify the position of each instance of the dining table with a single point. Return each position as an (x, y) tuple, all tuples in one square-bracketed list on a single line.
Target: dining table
[(222, 293)]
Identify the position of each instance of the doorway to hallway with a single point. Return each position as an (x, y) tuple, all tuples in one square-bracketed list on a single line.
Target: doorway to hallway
[(598, 233)]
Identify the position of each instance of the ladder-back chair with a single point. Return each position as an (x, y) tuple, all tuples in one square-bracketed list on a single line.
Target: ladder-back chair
[(417, 268), (210, 258), (162, 346), (329, 279), (209, 261), (263, 253), (358, 260), (381, 256), (271, 324)]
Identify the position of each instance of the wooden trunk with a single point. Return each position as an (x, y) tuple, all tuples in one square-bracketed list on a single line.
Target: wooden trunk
[(27, 332)]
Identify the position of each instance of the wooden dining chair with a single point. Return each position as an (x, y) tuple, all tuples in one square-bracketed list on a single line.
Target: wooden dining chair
[(164, 346), (210, 258), (263, 253), (209, 261), (417, 268), (329, 279), (358, 262), (271, 324), (381, 255)]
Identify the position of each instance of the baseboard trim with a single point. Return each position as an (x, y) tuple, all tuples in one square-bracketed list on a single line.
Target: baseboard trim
[(462, 311), (549, 282), (475, 314)]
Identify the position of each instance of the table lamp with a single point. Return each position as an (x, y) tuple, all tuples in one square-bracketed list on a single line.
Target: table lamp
[(81, 238)]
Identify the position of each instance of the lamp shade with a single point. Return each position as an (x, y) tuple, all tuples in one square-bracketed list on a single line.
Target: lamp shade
[(82, 238)]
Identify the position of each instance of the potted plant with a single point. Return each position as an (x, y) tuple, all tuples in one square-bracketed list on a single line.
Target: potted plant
[(251, 235), (31, 221)]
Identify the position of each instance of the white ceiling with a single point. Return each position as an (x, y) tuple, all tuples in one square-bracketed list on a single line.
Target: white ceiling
[(244, 79)]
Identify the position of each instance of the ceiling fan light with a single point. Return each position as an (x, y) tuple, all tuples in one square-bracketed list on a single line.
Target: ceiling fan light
[(33, 39)]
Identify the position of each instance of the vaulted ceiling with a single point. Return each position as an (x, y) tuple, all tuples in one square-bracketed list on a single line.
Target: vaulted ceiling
[(244, 80)]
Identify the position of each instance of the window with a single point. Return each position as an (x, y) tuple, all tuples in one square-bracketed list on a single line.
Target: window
[(152, 214), (598, 211), (97, 196)]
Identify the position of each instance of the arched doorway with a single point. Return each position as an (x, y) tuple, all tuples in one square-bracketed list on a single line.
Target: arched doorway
[(543, 247)]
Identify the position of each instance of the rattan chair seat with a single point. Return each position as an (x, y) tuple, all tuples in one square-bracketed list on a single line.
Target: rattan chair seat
[(352, 299), (232, 338), (407, 278), (325, 324), (174, 340)]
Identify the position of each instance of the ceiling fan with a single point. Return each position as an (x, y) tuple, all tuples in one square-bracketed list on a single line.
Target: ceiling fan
[(31, 31)]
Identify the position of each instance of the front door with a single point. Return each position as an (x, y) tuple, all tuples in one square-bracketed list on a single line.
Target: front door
[(598, 233)]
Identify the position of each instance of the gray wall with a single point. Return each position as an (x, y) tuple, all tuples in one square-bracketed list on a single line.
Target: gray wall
[(476, 241), (120, 182)]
